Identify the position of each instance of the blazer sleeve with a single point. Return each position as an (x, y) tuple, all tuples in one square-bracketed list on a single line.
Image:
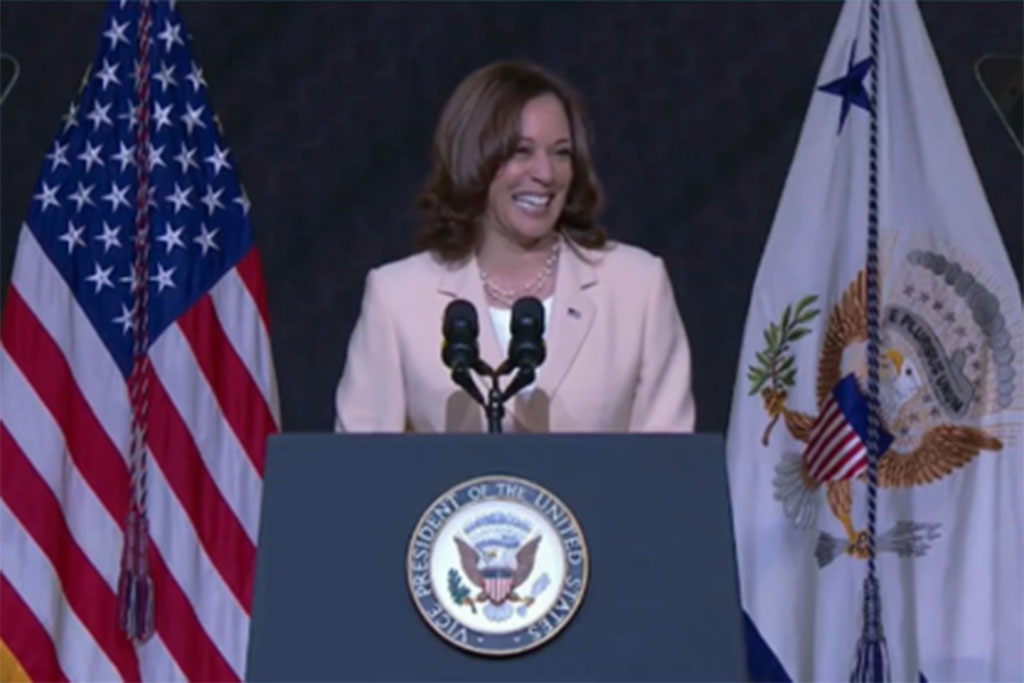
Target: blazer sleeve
[(371, 395), (663, 401)]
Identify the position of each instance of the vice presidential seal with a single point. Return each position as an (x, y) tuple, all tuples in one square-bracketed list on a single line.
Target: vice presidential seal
[(497, 565)]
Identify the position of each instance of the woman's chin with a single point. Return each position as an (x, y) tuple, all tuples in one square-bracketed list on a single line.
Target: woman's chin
[(532, 231)]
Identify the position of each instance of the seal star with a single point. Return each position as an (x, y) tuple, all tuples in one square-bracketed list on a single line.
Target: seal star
[(851, 87)]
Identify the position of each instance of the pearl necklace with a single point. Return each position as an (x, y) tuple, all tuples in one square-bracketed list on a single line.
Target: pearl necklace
[(510, 296)]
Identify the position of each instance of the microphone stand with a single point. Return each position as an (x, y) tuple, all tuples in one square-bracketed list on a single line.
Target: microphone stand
[(494, 405)]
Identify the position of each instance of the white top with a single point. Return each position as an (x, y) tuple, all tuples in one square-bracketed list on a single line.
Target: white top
[(502, 319)]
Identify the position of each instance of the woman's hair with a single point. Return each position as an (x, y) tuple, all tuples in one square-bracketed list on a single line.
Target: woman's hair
[(478, 131)]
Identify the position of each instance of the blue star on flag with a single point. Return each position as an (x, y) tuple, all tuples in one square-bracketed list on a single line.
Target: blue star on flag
[(851, 87)]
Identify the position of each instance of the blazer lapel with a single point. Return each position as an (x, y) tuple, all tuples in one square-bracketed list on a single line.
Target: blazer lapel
[(572, 315)]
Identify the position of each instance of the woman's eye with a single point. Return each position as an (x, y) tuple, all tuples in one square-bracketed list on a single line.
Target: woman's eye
[(564, 152)]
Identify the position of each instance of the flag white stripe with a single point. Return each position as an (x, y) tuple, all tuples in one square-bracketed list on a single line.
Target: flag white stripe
[(30, 573), (156, 662), (223, 455), (240, 319), (217, 610)]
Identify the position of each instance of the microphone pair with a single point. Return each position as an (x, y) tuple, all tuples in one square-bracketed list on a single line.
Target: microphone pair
[(526, 350)]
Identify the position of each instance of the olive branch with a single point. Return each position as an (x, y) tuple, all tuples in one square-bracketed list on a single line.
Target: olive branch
[(459, 593), (774, 365)]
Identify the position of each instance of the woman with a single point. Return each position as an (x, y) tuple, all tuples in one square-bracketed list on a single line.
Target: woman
[(510, 210)]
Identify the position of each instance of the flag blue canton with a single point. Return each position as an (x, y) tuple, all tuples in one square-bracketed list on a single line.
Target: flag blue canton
[(854, 407), (83, 208)]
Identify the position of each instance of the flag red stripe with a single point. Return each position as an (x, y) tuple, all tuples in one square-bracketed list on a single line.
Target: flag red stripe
[(36, 507), (176, 622), (822, 424), (250, 271), (817, 455), (222, 536), (830, 454), (829, 429), (239, 397), (26, 638), (841, 463), (44, 366)]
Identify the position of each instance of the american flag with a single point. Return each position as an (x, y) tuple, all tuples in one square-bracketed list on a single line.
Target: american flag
[(836, 448), (67, 355)]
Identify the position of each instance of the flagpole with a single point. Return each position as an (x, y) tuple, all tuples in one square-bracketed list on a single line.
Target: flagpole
[(872, 657)]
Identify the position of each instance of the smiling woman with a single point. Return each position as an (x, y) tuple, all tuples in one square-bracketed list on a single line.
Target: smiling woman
[(510, 211)]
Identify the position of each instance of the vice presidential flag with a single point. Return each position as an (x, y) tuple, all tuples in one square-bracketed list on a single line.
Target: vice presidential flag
[(950, 518), (85, 338)]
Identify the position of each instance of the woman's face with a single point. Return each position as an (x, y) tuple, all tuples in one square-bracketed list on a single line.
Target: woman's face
[(528, 192)]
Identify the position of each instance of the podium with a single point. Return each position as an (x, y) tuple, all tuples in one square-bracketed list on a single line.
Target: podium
[(331, 599)]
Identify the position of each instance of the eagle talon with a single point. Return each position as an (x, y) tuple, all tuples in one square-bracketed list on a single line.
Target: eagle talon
[(859, 547)]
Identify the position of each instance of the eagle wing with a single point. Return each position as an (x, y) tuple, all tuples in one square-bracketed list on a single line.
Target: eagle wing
[(848, 323), (524, 562), (469, 558), (941, 450)]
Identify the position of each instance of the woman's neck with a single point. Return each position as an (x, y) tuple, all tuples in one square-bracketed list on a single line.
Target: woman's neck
[(511, 260), (513, 270)]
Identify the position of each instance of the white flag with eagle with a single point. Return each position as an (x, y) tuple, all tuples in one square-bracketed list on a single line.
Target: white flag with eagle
[(950, 520)]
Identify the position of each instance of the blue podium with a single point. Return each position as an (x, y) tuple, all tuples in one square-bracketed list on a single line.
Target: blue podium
[(331, 598)]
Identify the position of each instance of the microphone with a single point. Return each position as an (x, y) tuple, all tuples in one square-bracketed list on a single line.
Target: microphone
[(526, 350), (460, 331), (459, 350)]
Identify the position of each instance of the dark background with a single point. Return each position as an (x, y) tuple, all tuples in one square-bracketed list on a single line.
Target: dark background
[(329, 109)]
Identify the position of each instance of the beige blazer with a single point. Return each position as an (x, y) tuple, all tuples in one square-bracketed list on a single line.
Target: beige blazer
[(618, 359)]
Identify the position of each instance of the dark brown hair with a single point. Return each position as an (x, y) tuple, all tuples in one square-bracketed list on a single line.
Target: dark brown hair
[(477, 132)]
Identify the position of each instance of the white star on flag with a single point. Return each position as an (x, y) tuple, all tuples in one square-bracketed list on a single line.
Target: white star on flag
[(91, 155), (98, 115), (165, 76), (116, 33), (101, 278), (179, 198), (81, 197), (48, 196), (171, 238), (58, 156), (124, 157), (205, 238), (191, 117), (219, 159), (212, 199), (186, 158), (171, 35), (163, 278), (73, 236), (124, 320), (108, 74), (116, 196), (109, 237)]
